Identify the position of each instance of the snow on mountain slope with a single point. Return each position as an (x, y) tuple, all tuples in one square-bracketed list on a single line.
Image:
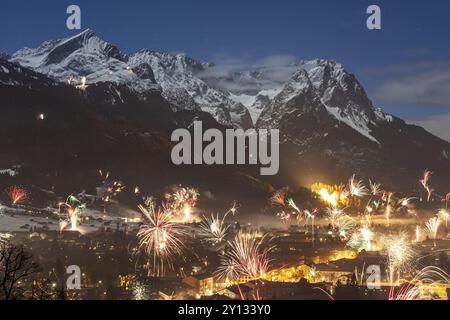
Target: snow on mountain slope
[(83, 55), (12, 74), (86, 55), (177, 75), (256, 103), (342, 94), (236, 100)]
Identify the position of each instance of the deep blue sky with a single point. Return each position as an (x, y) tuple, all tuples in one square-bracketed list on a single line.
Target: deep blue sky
[(414, 40)]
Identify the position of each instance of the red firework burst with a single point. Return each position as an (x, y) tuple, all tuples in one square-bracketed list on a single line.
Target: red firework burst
[(17, 195)]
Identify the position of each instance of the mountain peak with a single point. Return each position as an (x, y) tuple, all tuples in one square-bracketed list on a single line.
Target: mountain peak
[(88, 32), (85, 55)]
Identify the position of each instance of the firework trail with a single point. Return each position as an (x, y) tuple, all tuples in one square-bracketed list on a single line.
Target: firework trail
[(234, 208), (423, 285), (340, 221), (214, 229), (160, 238), (17, 195), (375, 188), (109, 188), (356, 187), (362, 237), (432, 227), (443, 215), (73, 208), (388, 210), (246, 258), (447, 199), (279, 198), (293, 205), (417, 233), (181, 202), (399, 252), (82, 85), (334, 215), (425, 181)]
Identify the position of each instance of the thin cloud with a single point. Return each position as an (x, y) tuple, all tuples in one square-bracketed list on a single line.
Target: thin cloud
[(422, 84), (436, 124), (239, 75)]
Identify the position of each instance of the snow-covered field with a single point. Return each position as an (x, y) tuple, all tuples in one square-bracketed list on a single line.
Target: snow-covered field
[(17, 221)]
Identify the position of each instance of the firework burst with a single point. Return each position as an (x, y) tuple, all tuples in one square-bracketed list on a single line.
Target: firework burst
[(444, 215), (334, 215), (432, 227), (160, 238), (73, 208), (246, 258), (17, 195), (425, 181), (291, 203), (375, 188), (279, 198), (214, 229), (182, 202), (363, 236), (399, 252), (234, 208), (140, 292), (356, 187), (340, 221)]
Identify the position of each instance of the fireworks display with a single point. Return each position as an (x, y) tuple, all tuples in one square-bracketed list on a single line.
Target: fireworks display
[(331, 195), (400, 253), (279, 198), (234, 208), (17, 195), (425, 181), (443, 215), (356, 187), (72, 208), (130, 171), (432, 227), (182, 201), (362, 238), (329, 198), (247, 257), (109, 189), (340, 221), (423, 286), (82, 85), (214, 229), (375, 188), (353, 215), (160, 238)]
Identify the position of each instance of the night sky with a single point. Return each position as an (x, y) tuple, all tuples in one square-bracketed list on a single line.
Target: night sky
[(405, 67)]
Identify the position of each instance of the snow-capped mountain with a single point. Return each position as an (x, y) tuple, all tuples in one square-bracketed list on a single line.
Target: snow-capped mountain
[(12, 74), (185, 90), (327, 122), (86, 55), (325, 116), (326, 86)]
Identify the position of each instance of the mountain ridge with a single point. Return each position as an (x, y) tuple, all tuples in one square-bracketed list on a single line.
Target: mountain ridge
[(326, 120)]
